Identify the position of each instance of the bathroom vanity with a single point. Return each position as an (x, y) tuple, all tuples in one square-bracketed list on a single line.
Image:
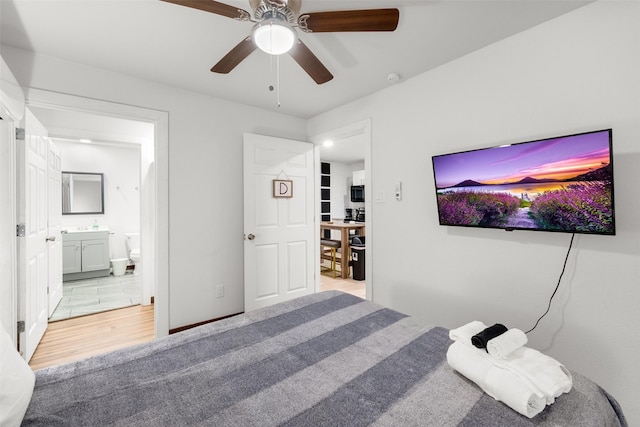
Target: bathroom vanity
[(85, 254)]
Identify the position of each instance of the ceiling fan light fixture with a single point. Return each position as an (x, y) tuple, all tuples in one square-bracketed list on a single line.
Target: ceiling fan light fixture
[(274, 36)]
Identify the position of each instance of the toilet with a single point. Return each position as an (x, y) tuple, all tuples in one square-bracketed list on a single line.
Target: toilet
[(133, 248)]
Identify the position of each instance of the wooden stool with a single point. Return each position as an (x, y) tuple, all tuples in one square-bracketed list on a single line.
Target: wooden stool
[(332, 246)]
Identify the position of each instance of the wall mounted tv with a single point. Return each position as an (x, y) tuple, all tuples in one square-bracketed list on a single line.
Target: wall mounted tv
[(562, 184)]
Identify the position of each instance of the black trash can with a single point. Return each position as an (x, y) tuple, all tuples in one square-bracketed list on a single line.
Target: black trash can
[(357, 261)]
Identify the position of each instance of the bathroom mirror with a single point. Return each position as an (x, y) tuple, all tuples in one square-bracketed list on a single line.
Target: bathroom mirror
[(82, 193)]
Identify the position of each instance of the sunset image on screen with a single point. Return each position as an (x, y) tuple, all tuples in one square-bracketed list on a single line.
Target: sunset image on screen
[(489, 187)]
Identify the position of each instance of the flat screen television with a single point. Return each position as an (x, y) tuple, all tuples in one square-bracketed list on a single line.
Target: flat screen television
[(562, 184)]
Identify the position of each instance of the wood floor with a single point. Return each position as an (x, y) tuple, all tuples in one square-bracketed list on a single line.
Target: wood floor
[(80, 337)]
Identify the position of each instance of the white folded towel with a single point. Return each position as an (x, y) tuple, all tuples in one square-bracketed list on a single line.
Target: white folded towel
[(503, 345), (464, 333), (465, 360), (542, 372), (503, 385), (508, 371)]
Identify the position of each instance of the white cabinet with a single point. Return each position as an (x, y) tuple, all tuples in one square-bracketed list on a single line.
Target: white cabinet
[(71, 256), (85, 255), (358, 177)]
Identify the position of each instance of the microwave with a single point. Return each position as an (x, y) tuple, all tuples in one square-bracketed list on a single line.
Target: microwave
[(357, 193)]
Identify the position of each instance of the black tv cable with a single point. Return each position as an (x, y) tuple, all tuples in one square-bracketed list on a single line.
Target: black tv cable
[(557, 285)]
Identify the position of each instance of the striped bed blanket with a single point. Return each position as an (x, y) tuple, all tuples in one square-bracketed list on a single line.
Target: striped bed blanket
[(328, 359)]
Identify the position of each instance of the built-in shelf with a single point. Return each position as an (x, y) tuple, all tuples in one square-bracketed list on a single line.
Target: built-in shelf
[(325, 195)]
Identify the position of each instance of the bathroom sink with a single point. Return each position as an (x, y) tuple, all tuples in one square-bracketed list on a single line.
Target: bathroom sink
[(84, 229)]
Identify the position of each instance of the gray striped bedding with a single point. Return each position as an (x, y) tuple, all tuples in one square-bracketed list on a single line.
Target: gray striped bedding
[(328, 359)]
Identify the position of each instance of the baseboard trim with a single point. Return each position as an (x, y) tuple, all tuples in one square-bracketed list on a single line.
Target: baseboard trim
[(184, 328)]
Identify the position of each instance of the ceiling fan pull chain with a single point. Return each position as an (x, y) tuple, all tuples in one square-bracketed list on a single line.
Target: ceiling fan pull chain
[(271, 64), (278, 80)]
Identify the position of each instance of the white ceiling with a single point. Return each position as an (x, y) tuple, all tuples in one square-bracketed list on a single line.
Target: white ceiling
[(76, 125), (177, 46)]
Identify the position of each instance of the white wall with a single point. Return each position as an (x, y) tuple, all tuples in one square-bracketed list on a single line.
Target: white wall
[(339, 174), (121, 168), (11, 111), (8, 293), (576, 73), (205, 174)]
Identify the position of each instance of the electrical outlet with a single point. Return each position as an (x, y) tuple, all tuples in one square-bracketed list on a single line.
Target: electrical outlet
[(219, 291)]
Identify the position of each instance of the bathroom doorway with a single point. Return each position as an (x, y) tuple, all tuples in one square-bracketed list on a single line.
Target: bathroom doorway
[(114, 225), (153, 182)]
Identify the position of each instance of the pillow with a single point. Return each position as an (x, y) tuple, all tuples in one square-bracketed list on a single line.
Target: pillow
[(16, 383)]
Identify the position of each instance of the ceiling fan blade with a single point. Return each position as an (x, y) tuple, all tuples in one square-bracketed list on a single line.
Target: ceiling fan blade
[(214, 7), (350, 20), (235, 56), (310, 63)]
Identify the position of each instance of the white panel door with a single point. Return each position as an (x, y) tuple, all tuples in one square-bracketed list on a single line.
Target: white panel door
[(54, 236), (280, 238), (33, 268)]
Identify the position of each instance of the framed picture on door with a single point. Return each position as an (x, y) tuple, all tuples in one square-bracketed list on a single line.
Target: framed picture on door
[(282, 188)]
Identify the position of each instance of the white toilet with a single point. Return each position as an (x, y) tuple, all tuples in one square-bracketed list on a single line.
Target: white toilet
[(133, 248)]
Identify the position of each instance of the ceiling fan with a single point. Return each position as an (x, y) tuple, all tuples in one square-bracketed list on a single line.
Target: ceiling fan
[(274, 30)]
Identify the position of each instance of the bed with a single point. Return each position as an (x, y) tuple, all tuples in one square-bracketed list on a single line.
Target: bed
[(328, 359)]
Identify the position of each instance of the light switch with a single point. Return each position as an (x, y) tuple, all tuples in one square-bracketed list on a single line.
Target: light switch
[(398, 190)]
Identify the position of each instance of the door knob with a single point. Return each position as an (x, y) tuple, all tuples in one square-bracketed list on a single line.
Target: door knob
[(251, 236), (50, 239)]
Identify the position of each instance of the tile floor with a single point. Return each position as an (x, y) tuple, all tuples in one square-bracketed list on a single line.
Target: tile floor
[(348, 285), (81, 297), (89, 296)]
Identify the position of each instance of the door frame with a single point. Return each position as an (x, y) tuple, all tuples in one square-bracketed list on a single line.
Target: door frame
[(8, 221), (54, 247), (360, 129), (156, 241)]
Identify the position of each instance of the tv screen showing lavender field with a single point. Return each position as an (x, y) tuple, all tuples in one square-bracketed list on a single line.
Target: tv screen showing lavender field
[(558, 184)]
